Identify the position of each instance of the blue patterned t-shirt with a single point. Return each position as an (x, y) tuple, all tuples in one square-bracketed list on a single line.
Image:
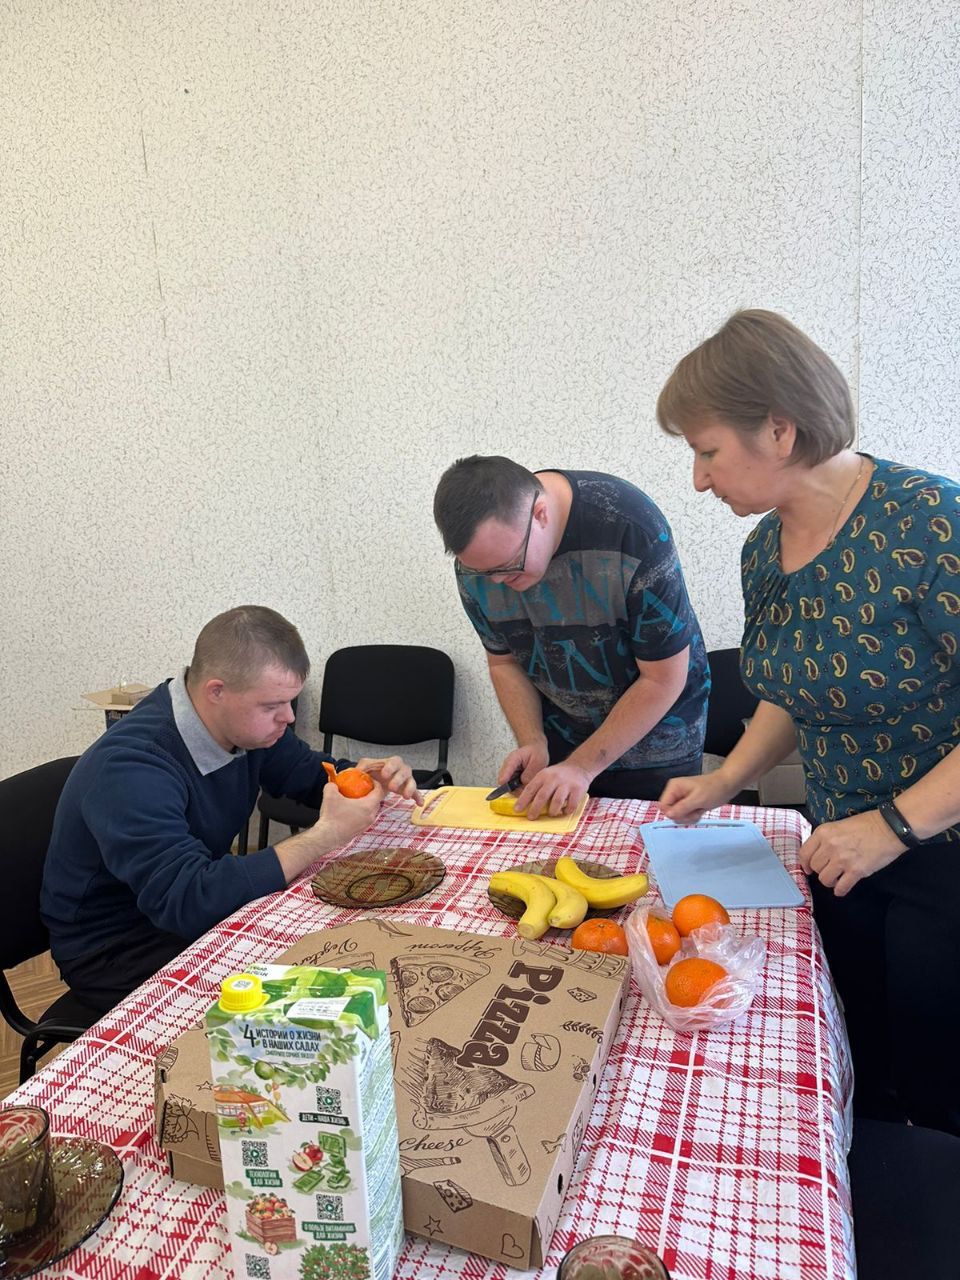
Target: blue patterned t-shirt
[(860, 645), (612, 594)]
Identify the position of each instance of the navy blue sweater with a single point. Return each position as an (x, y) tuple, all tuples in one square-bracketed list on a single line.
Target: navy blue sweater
[(141, 837)]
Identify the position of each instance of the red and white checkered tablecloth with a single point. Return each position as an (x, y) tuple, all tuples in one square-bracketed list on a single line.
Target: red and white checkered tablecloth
[(725, 1151)]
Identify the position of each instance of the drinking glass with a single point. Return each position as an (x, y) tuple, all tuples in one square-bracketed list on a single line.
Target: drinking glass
[(611, 1258), (26, 1181)]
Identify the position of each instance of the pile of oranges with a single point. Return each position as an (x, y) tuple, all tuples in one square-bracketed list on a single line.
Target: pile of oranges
[(688, 981)]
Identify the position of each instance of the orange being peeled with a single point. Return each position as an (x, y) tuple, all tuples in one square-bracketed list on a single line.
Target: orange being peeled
[(352, 783), (696, 910), (664, 938), (689, 981)]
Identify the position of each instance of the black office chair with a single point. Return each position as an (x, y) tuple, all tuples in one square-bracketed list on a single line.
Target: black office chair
[(731, 702), (904, 1181), (388, 694), (27, 804)]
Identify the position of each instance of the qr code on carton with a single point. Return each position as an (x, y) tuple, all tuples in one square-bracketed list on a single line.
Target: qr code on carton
[(254, 1154), (257, 1268), (328, 1100), (330, 1208)]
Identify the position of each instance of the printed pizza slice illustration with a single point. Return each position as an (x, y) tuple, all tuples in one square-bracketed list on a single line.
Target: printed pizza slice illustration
[(445, 1090), (424, 984), (448, 1087)]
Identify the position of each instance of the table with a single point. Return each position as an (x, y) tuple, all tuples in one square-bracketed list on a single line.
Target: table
[(725, 1148)]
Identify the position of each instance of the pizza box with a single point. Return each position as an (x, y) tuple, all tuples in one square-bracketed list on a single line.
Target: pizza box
[(498, 1047), (467, 809)]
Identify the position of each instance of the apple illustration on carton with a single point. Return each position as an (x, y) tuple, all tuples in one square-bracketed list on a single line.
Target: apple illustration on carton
[(308, 1156)]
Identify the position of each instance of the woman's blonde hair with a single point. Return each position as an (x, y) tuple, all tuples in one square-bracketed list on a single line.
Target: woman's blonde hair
[(760, 364)]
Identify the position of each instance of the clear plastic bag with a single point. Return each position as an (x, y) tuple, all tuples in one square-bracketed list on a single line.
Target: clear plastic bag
[(742, 958)]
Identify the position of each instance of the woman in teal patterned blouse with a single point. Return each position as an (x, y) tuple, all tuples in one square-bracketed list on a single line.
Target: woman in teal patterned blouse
[(851, 585)]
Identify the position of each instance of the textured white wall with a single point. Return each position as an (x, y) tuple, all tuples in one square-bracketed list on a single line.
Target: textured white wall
[(265, 275), (910, 259)]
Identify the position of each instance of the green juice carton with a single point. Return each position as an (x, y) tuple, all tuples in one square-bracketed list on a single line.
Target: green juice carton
[(303, 1088)]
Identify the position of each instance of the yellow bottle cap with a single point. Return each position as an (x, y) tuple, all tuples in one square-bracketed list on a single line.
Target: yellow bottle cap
[(241, 992)]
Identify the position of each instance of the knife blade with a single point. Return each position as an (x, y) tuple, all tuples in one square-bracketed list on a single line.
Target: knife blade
[(511, 784)]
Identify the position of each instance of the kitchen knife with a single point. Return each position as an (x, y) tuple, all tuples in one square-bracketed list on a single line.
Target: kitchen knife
[(512, 784)]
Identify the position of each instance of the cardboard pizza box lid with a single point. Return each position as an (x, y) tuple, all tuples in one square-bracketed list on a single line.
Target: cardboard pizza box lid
[(498, 1048)]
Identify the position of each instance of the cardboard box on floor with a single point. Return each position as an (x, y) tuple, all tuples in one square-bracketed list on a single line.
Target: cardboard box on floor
[(498, 1047)]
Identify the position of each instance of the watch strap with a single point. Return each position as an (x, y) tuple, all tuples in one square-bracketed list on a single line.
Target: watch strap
[(898, 824)]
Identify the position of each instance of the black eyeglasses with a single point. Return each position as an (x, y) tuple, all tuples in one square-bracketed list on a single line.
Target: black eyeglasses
[(505, 571)]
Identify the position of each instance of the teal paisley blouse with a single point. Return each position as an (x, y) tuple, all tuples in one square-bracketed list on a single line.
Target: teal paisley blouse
[(860, 645)]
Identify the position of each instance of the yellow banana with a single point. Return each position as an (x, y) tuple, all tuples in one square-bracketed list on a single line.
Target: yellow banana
[(507, 805), (539, 898), (605, 894), (571, 905)]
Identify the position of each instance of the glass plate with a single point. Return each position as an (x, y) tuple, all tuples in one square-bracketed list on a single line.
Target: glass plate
[(88, 1177), (377, 878)]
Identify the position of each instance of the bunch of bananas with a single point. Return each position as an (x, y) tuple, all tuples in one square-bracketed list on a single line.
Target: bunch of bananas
[(562, 903)]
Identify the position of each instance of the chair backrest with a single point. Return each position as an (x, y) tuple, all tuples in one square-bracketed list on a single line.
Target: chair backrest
[(387, 693), (731, 702), (28, 802), (903, 1182)]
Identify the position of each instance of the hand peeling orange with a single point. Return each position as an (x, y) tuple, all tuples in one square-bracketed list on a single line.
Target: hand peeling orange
[(352, 783)]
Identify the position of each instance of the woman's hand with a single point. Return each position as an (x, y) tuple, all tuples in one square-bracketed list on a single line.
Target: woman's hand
[(841, 853), (686, 800)]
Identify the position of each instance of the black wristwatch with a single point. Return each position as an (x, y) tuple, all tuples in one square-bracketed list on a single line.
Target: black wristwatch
[(898, 824)]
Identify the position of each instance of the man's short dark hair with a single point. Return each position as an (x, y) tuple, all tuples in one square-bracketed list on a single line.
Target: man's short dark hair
[(237, 647), (476, 489)]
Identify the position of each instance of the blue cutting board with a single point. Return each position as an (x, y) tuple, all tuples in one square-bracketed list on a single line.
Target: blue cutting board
[(730, 860)]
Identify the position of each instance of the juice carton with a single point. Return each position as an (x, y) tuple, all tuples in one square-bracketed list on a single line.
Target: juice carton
[(303, 1087)]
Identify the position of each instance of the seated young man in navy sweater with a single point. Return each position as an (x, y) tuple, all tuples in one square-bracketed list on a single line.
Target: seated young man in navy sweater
[(138, 862)]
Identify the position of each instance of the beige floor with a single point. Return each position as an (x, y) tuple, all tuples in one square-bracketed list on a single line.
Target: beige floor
[(36, 984)]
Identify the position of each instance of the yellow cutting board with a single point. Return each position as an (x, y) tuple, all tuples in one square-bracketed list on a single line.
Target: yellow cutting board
[(466, 807)]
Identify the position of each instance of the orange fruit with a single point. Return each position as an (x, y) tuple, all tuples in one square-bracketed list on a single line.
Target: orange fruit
[(698, 909), (664, 938), (689, 981), (352, 783), (600, 935)]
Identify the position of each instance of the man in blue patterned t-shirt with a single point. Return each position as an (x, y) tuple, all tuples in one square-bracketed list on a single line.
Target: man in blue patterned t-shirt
[(572, 582)]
